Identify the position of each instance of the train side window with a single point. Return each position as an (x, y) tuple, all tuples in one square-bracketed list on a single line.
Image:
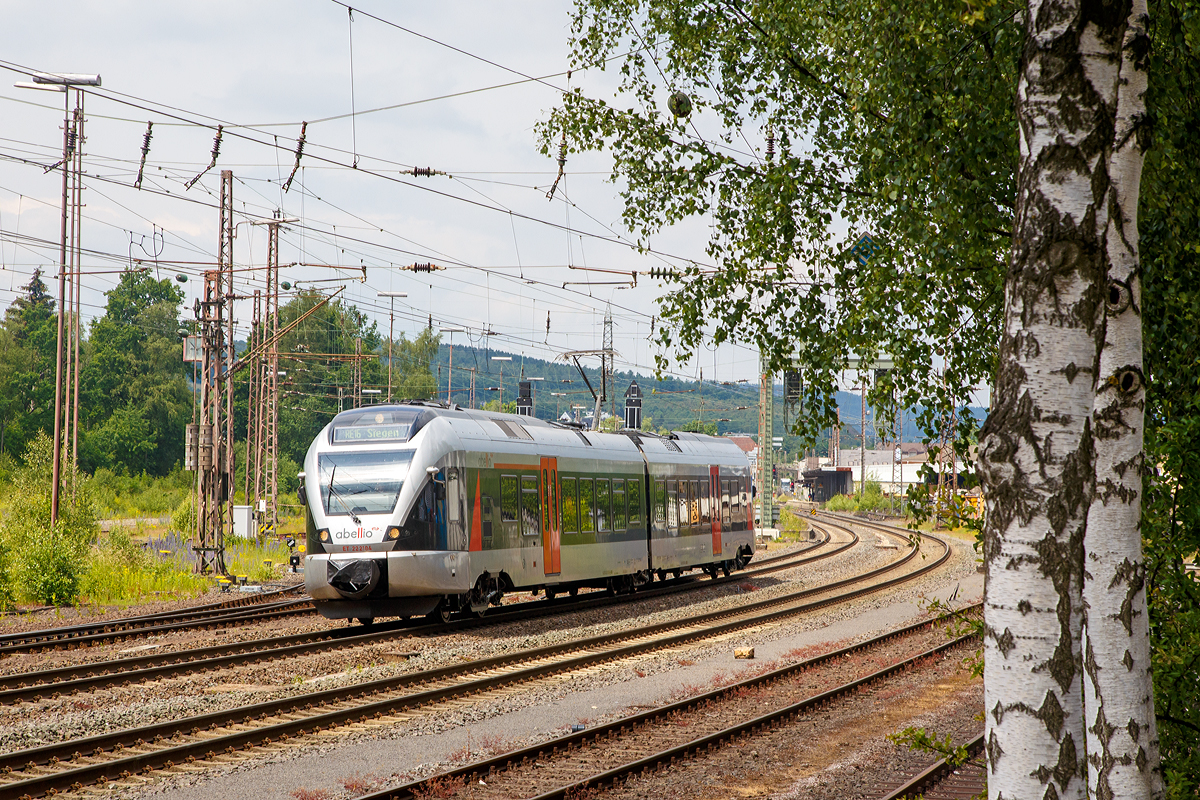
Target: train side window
[(705, 508), (660, 502), (587, 505), (510, 498), (725, 518), (618, 503), (685, 508), (603, 505), (531, 518), (735, 505), (694, 502), (570, 506), (633, 491), (485, 524)]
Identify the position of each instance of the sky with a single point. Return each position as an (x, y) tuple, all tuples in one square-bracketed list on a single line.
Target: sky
[(453, 80)]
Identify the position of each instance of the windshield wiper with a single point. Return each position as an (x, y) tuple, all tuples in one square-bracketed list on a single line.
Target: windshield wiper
[(334, 494)]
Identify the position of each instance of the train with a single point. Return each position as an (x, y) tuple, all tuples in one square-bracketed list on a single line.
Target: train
[(422, 508)]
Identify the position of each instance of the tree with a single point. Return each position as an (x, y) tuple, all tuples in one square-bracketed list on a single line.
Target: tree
[(1068, 693), (134, 399), (897, 121)]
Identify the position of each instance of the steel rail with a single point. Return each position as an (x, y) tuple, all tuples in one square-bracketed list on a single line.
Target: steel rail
[(938, 772), (126, 766), (236, 616), (69, 634), (487, 767), (82, 677)]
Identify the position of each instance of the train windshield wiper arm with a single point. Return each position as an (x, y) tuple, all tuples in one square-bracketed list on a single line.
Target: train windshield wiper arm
[(334, 494)]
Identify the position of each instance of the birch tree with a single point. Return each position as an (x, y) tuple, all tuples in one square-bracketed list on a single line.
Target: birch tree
[(1066, 408), (1009, 248)]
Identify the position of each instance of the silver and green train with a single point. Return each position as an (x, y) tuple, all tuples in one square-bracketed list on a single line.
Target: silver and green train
[(423, 509)]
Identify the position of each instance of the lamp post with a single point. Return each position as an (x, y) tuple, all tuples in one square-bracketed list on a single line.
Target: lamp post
[(450, 378), (391, 324), (60, 82), (501, 359)]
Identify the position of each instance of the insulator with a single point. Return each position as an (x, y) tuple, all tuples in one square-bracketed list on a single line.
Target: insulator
[(422, 172), (562, 151), (770, 143), (146, 138), (216, 151)]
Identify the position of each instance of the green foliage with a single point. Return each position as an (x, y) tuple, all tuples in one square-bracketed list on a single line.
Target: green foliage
[(789, 522), (183, 519), (47, 561), (1169, 226), (139, 495), (845, 503), (698, 426), (927, 742), (494, 405), (896, 120), (248, 556), (119, 571)]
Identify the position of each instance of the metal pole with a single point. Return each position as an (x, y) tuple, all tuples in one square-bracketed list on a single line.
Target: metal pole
[(77, 261), (391, 336), (56, 465), (862, 410)]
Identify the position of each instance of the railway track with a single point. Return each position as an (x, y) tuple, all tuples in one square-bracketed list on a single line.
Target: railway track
[(118, 755), (943, 781), (609, 754), (239, 611), (86, 677)]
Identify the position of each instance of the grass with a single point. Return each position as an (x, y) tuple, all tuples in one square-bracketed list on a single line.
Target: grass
[(248, 557), (131, 496), (120, 572)]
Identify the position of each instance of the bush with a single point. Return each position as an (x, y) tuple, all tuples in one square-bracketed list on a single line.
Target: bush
[(51, 569), (790, 522), (844, 503), (183, 520), (46, 563)]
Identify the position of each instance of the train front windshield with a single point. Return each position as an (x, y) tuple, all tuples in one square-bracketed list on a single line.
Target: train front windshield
[(362, 483)]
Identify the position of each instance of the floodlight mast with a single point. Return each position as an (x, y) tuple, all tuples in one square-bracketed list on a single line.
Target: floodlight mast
[(60, 82)]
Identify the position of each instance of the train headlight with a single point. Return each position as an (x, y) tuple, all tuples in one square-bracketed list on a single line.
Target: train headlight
[(323, 534), (393, 533)]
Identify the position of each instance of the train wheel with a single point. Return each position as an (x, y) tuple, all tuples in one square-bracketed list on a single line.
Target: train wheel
[(675, 573), (366, 620), (441, 614), (550, 592), (573, 591), (724, 568)]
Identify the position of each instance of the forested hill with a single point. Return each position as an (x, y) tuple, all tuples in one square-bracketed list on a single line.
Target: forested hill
[(671, 403)]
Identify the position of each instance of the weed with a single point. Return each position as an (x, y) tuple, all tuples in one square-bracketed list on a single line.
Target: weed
[(494, 744), (357, 784), (440, 786), (311, 794)]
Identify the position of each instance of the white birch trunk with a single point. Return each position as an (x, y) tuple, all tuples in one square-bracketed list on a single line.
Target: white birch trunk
[(1122, 738), (1036, 453)]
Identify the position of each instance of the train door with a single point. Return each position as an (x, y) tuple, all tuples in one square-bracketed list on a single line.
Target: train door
[(714, 504), (551, 517)]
